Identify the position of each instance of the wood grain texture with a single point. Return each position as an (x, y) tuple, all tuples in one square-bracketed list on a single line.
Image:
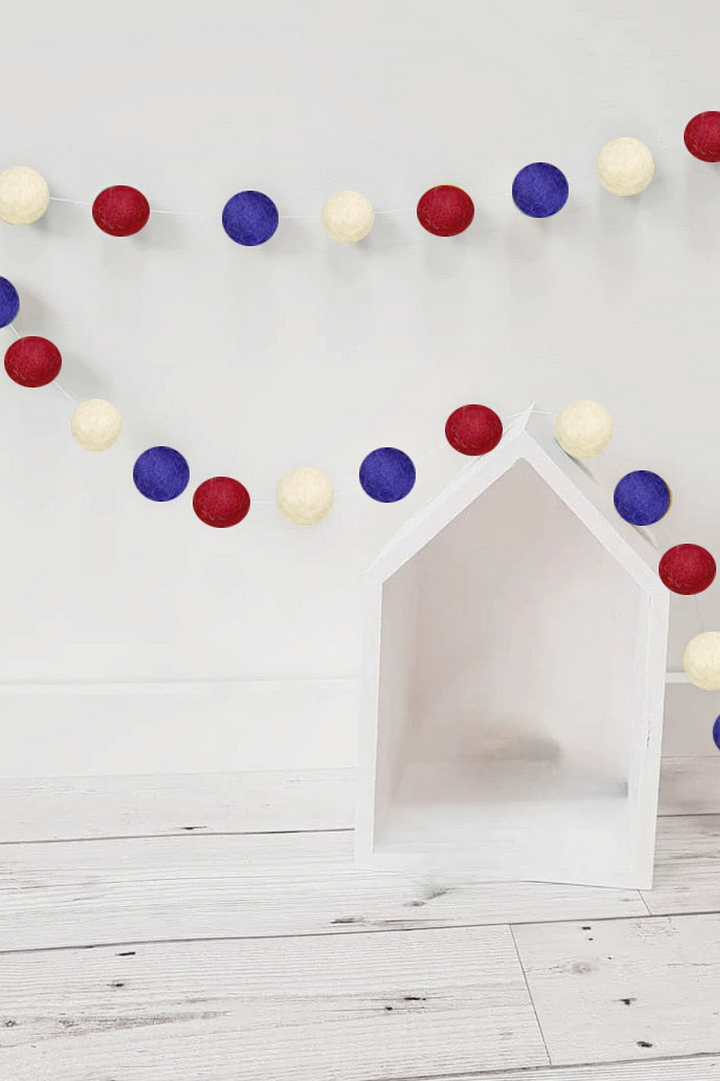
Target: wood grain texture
[(690, 786), (58, 808), (74, 893), (625, 989), (693, 1068), (358, 1007), (687, 866), (65, 808)]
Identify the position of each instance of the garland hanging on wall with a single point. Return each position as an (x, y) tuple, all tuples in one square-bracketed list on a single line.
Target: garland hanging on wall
[(625, 167)]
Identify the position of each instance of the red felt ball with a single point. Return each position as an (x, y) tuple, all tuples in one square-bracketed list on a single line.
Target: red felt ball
[(221, 502), (687, 568), (445, 210), (33, 361), (702, 136), (473, 429), (121, 211)]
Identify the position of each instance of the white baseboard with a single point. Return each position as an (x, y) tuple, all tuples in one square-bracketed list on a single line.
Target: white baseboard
[(80, 730)]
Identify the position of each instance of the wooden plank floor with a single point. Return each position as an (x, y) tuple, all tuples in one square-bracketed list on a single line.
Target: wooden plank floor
[(248, 946)]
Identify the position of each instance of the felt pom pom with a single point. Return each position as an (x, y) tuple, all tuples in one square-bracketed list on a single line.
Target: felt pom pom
[(716, 733), (9, 302), (33, 361), (687, 569), (387, 474), (96, 424), (120, 210), (348, 216), (702, 136), (250, 218), (540, 190), (701, 661), (221, 502), (445, 210), (473, 429), (625, 166), (642, 497), (584, 429), (24, 195), (161, 474), (304, 495)]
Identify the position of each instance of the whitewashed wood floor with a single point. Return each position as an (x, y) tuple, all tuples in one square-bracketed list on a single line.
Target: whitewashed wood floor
[(212, 928)]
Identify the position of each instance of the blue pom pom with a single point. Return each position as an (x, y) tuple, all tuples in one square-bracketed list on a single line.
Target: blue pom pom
[(250, 218), (642, 498), (9, 302), (387, 474), (716, 733), (540, 190), (161, 473)]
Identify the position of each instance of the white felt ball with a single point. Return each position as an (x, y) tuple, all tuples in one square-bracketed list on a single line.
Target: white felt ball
[(24, 195), (701, 660), (348, 216), (584, 429), (625, 166), (96, 424), (304, 495)]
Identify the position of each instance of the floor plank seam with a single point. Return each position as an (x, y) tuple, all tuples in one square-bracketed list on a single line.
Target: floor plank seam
[(183, 831), (350, 931), (530, 995), (523, 1072)]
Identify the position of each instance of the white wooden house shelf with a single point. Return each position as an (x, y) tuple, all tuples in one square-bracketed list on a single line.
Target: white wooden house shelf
[(514, 680)]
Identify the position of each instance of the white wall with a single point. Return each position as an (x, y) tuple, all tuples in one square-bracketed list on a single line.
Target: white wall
[(308, 352)]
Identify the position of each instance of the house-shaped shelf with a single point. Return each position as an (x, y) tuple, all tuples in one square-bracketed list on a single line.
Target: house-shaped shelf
[(513, 682)]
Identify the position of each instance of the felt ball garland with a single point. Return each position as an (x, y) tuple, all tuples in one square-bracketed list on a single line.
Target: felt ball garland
[(584, 429), (221, 502), (642, 497), (96, 424), (250, 218), (33, 361), (161, 474), (445, 210), (9, 302), (625, 166), (687, 569), (701, 660), (716, 733), (387, 474), (473, 429), (540, 190), (702, 136), (24, 195), (121, 210), (348, 216), (304, 496)]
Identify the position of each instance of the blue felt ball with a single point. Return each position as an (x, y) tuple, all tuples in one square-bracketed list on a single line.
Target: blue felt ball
[(540, 190), (716, 733), (387, 474), (161, 473), (9, 302), (250, 218), (642, 498)]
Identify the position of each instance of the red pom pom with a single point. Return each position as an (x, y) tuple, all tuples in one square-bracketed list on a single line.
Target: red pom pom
[(121, 211), (33, 361), (473, 429), (221, 502), (702, 136), (687, 568), (445, 210)]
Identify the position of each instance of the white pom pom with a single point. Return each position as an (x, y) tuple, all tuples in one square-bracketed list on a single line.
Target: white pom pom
[(348, 216), (584, 429), (96, 424), (701, 661), (625, 166), (304, 495), (24, 195)]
